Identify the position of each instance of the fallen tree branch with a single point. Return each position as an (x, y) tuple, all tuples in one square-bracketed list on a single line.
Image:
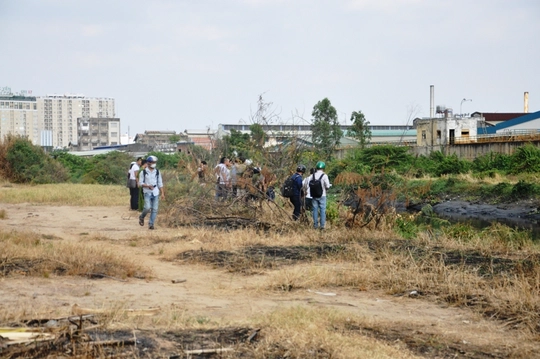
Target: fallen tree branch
[(208, 351)]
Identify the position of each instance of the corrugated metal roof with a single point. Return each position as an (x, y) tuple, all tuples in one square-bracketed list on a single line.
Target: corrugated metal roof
[(498, 116)]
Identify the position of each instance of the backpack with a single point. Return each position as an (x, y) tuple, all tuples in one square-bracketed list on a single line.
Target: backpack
[(144, 175), (315, 187), (287, 188)]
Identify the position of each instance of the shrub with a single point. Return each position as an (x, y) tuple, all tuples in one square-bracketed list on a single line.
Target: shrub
[(526, 159), (492, 162), (110, 168), (523, 189), (76, 165), (24, 162)]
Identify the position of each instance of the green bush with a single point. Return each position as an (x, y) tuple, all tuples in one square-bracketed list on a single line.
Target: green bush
[(76, 165), (170, 161), (332, 210), (491, 163), (30, 164), (406, 227), (445, 165), (110, 168), (526, 159), (523, 190)]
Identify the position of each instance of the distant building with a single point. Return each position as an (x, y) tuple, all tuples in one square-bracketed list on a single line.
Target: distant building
[(494, 118), (204, 138), (59, 114), (162, 141), (97, 132), (526, 123), (126, 139), (432, 133), (277, 134), (18, 115)]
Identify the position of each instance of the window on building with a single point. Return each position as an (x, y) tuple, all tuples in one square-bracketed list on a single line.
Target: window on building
[(114, 124), (464, 133), (114, 134), (439, 134), (424, 134)]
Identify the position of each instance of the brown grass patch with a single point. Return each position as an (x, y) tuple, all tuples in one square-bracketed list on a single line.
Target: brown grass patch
[(65, 194), (498, 284), (28, 254)]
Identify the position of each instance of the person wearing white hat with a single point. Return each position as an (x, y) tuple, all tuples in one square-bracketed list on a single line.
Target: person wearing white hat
[(152, 184)]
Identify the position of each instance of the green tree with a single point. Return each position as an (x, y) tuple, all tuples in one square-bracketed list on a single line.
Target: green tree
[(360, 128), (28, 163), (74, 164), (236, 141), (325, 129), (174, 138), (258, 137)]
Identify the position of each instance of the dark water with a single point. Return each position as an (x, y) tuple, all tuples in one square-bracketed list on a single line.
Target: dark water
[(516, 223)]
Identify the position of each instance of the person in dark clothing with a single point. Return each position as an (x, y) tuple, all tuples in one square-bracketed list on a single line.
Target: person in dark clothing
[(296, 198), (132, 184)]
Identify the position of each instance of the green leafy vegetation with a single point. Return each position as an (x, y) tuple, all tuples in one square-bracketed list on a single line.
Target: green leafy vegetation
[(23, 162)]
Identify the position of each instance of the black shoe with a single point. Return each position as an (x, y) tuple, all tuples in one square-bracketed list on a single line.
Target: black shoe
[(150, 227), (141, 221)]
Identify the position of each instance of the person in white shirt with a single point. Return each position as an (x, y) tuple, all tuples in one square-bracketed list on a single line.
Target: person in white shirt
[(132, 184), (223, 182), (319, 202)]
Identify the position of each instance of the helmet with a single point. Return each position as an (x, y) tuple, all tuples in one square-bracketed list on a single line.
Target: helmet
[(151, 159), (301, 168), (320, 165), (248, 162), (256, 170)]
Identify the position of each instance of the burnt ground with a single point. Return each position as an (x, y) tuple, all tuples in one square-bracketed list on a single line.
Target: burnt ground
[(242, 341), (521, 214), (140, 344), (254, 260)]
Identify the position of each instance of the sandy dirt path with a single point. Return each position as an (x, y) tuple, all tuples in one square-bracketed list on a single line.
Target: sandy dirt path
[(210, 293)]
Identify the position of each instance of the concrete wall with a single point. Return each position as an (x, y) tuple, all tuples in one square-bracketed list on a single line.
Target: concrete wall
[(473, 150)]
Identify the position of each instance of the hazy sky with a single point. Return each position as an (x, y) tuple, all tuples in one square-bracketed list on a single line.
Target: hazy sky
[(190, 64)]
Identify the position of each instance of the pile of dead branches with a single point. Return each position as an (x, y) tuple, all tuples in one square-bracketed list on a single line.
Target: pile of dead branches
[(248, 208)]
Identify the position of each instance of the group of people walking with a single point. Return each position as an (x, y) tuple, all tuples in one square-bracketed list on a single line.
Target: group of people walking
[(310, 193), (236, 179)]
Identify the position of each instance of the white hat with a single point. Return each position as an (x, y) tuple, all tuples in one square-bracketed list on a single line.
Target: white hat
[(248, 162)]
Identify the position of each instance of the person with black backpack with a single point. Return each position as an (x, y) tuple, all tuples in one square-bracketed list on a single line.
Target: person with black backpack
[(318, 184), (296, 198), (152, 184)]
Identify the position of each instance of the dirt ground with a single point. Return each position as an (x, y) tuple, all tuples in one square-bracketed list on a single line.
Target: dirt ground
[(218, 295)]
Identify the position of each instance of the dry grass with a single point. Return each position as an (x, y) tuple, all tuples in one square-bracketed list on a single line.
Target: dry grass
[(27, 254), (494, 272), (318, 333), (65, 194)]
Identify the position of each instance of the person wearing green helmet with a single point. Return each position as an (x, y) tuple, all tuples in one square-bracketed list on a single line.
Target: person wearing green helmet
[(318, 185)]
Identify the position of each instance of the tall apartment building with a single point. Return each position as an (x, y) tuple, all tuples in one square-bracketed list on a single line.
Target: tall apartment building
[(18, 115), (94, 132), (58, 116)]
